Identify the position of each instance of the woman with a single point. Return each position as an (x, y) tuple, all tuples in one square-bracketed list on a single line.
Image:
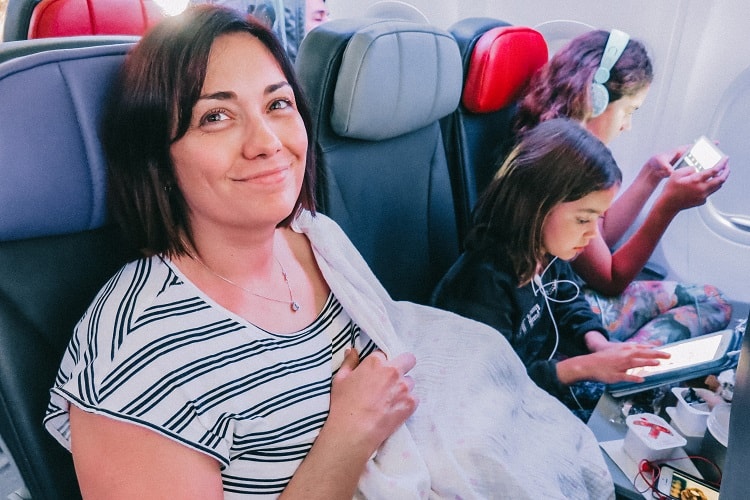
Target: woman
[(643, 311), (541, 210), (250, 351)]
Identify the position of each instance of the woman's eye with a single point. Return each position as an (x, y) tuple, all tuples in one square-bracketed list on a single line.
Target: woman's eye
[(583, 221), (281, 104), (214, 116)]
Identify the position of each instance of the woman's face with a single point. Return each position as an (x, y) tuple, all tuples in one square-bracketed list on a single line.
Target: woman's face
[(617, 118), (242, 161), (570, 226)]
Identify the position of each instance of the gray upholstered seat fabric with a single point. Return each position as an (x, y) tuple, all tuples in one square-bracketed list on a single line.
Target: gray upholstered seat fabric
[(16, 48), (395, 77), (52, 165), (377, 89), (56, 247)]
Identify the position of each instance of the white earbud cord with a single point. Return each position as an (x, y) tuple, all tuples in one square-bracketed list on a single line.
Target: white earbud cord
[(541, 287), (538, 286)]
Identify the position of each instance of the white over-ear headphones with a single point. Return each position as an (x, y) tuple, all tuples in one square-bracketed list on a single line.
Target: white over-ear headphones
[(616, 44)]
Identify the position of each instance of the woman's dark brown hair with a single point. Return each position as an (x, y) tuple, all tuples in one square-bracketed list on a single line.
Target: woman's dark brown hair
[(151, 107), (562, 87), (557, 161)]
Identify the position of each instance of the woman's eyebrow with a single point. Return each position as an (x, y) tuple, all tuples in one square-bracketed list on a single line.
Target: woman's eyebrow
[(221, 95), (276, 86), (224, 95)]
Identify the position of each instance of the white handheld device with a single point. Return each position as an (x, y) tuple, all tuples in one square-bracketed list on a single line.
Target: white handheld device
[(704, 154)]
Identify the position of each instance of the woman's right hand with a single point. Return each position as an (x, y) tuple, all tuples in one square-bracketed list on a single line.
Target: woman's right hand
[(371, 398)]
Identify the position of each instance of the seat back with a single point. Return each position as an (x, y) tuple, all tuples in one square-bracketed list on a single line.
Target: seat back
[(56, 245), (17, 16), (29, 19), (377, 89), (498, 61), (17, 48), (737, 459)]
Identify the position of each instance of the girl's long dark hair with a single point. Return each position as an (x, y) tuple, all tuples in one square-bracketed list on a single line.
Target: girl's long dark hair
[(557, 161)]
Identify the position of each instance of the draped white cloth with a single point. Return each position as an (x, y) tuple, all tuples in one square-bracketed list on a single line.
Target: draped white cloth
[(483, 429)]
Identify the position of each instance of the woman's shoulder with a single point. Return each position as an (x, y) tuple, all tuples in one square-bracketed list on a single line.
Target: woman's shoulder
[(139, 274), (137, 287), (146, 300)]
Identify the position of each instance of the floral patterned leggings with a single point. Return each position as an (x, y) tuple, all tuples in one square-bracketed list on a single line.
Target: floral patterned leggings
[(663, 311), (651, 311)]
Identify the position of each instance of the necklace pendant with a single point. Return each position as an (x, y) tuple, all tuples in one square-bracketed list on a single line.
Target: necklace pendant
[(294, 305)]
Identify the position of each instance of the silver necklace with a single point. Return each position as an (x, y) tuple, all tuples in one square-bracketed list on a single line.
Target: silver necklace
[(293, 304)]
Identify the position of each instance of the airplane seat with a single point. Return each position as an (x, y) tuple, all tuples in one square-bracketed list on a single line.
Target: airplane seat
[(16, 48), (84, 17), (498, 61), (29, 19), (737, 459), (377, 89), (17, 15), (57, 245)]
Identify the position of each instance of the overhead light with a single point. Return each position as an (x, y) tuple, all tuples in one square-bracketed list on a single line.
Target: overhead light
[(172, 7)]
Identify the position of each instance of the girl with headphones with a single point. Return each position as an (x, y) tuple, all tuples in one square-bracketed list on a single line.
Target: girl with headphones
[(600, 79), (540, 211)]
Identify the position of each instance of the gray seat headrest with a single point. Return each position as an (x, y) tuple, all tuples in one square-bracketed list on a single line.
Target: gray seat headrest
[(426, 86)]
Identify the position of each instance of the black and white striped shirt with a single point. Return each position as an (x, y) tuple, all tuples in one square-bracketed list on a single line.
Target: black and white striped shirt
[(153, 350)]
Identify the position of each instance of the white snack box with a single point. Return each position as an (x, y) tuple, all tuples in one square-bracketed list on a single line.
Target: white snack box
[(650, 437), (690, 418)]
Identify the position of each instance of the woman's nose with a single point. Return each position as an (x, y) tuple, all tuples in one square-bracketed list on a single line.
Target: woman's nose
[(260, 139)]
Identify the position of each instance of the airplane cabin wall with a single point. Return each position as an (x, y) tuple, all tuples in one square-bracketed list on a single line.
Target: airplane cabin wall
[(701, 86)]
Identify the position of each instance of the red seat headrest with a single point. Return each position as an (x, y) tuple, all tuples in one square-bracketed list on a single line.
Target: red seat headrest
[(54, 18), (501, 64)]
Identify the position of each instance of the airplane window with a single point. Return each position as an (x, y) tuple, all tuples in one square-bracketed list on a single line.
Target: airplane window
[(726, 211), (559, 32)]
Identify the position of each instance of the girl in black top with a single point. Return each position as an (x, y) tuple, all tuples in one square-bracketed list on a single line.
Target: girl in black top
[(541, 210)]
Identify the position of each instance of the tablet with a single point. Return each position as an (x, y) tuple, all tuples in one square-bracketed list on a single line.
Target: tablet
[(689, 358), (690, 352)]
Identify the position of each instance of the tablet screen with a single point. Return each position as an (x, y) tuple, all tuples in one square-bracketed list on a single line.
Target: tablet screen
[(699, 350)]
